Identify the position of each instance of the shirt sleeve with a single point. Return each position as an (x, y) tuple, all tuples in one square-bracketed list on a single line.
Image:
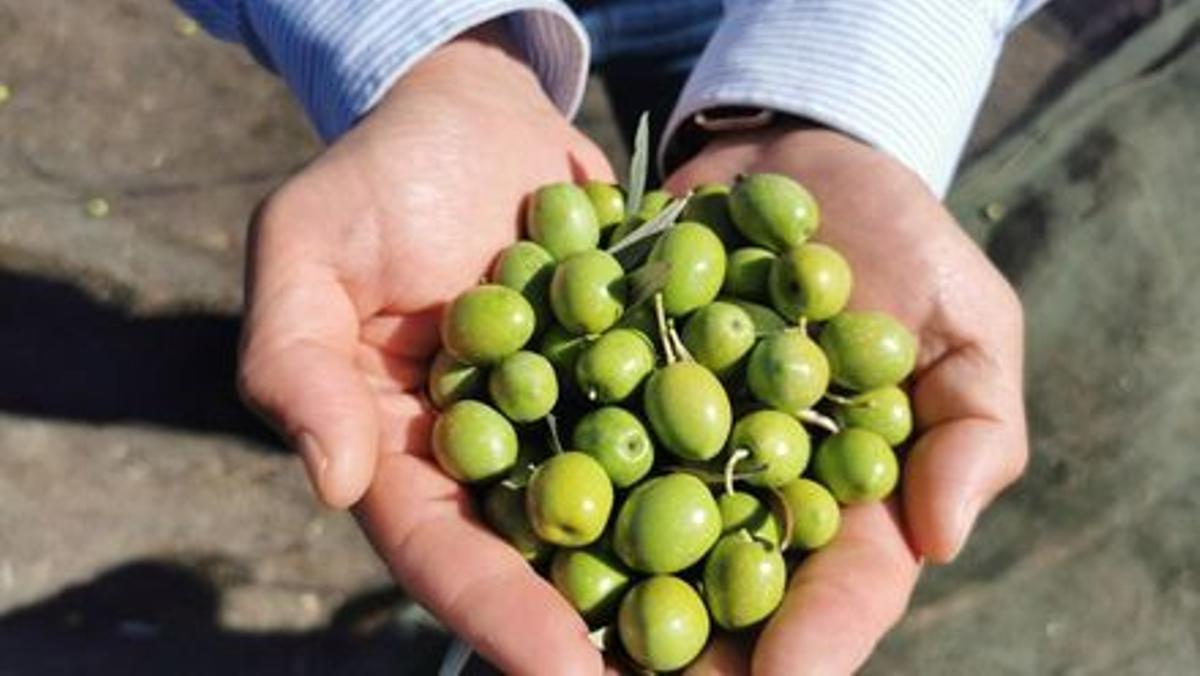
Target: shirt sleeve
[(339, 57), (906, 77)]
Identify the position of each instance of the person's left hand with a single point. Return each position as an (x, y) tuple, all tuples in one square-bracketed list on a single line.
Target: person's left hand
[(911, 259)]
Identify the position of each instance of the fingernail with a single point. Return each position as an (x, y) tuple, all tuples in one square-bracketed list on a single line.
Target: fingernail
[(315, 460), (964, 520)]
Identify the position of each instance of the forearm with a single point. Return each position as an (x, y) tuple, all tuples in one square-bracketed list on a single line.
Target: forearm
[(905, 77), (340, 57)]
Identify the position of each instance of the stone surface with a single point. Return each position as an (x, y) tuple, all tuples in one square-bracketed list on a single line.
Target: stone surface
[(148, 524)]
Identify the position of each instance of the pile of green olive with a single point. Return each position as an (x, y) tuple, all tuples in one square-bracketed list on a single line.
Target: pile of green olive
[(695, 368)]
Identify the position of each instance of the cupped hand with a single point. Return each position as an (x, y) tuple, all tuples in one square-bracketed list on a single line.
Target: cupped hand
[(911, 259), (349, 263)]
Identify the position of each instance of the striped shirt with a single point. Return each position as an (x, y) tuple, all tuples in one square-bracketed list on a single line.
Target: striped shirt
[(905, 76)]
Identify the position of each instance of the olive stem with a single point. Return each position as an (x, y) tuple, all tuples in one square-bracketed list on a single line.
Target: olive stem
[(455, 659), (811, 417), (737, 456), (680, 349), (555, 443), (840, 400), (803, 324), (660, 314), (599, 638)]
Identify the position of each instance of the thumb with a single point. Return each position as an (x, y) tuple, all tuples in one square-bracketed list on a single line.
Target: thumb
[(298, 369)]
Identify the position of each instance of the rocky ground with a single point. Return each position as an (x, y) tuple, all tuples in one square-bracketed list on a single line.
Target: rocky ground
[(149, 525)]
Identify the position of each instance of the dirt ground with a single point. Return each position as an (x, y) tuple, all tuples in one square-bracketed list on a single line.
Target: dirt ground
[(148, 524)]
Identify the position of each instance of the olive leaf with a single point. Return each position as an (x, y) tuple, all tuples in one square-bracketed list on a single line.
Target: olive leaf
[(639, 163), (646, 281), (782, 511), (715, 478), (634, 247), (555, 441)]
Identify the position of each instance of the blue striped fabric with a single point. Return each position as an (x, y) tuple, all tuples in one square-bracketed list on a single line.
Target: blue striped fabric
[(906, 76), (340, 56)]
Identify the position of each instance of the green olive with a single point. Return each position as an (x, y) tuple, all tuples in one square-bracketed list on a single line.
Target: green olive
[(569, 499), (504, 511), (867, 350), (451, 380), (719, 336), (653, 203), (592, 580), (747, 272), (697, 260), (811, 281), (618, 441), (857, 466), (815, 514), (788, 371), (562, 220), (766, 320), (608, 202), (710, 205), (486, 324), (587, 292), (612, 366), (776, 441), (663, 624), (526, 267), (885, 411), (562, 348), (688, 410), (523, 386), (773, 211), (473, 442), (666, 524), (744, 581), (743, 511)]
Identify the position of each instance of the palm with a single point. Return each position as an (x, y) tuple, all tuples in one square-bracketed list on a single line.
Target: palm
[(350, 262), (912, 260)]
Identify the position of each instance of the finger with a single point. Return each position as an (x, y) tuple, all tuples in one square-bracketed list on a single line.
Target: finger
[(973, 446), (298, 367), (842, 600), (725, 655), (420, 523)]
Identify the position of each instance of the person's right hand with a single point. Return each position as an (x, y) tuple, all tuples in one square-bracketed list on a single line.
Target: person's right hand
[(349, 265)]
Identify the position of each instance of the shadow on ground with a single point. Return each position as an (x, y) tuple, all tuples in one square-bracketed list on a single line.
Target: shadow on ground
[(66, 355), (158, 617)]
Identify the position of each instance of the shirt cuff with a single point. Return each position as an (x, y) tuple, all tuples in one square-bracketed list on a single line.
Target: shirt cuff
[(906, 77), (340, 58)]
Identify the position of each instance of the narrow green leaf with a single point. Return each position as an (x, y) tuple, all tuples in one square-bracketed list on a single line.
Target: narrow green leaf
[(779, 506), (639, 163), (646, 281), (634, 248)]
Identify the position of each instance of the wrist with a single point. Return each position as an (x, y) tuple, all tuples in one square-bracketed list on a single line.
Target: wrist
[(480, 64)]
